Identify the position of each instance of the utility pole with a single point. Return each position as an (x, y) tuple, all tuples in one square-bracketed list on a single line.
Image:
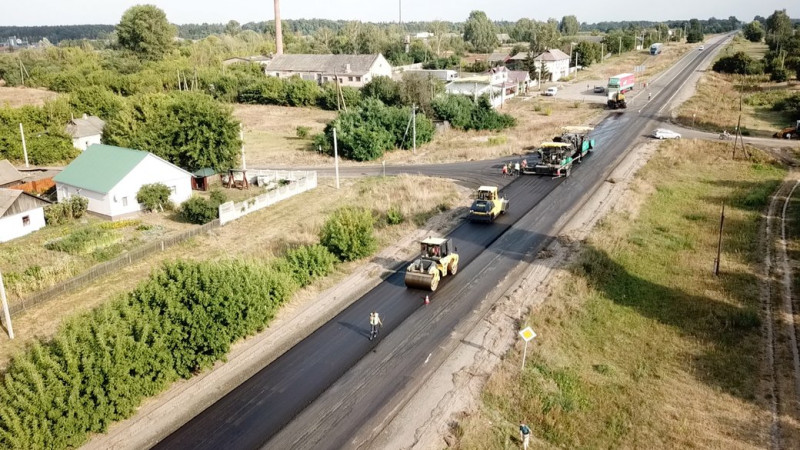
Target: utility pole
[(241, 138), (24, 147), (400, 12), (602, 51), (278, 33), (414, 127), (336, 158), (719, 242), (6, 313), (620, 45)]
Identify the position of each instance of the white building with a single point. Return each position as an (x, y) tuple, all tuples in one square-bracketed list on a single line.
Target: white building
[(555, 62), (20, 214), (110, 177), (85, 131), (351, 70)]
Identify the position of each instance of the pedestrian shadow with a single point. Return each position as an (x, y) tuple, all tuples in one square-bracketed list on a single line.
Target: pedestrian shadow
[(357, 329)]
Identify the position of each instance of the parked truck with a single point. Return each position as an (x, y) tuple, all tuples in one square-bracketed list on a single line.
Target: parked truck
[(557, 157), (655, 48)]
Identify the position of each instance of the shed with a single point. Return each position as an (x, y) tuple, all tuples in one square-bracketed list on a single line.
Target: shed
[(202, 178), (20, 214), (85, 131)]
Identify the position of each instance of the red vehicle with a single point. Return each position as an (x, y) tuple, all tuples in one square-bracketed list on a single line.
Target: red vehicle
[(621, 83)]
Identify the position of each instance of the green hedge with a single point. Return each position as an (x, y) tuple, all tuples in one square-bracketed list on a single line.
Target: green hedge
[(348, 233)]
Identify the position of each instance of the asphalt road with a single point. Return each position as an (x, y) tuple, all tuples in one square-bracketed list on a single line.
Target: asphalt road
[(336, 389)]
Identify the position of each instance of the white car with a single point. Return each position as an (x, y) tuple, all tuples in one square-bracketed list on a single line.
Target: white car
[(662, 133), (551, 91), (701, 48)]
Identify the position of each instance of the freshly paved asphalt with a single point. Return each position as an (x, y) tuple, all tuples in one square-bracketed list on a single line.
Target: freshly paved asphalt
[(336, 388)]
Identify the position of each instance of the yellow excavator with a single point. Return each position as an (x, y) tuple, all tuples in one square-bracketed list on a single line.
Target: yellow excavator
[(438, 258)]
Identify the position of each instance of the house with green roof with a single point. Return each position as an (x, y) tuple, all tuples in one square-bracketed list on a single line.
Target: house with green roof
[(110, 177)]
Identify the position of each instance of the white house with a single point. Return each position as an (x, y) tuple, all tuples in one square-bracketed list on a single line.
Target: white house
[(555, 61), (351, 70), (110, 177), (85, 131), (20, 214)]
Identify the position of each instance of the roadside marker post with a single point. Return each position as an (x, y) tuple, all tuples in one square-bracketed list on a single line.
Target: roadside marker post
[(527, 334)]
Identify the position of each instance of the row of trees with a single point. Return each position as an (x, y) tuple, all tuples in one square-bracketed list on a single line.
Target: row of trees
[(783, 56)]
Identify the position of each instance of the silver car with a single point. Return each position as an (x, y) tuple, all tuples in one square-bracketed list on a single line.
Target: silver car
[(663, 133)]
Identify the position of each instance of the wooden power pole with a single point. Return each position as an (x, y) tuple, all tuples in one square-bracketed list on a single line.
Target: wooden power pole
[(278, 33)]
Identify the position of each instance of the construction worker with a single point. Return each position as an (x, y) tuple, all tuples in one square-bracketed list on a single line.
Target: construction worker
[(524, 434), (516, 168), (504, 171), (374, 323)]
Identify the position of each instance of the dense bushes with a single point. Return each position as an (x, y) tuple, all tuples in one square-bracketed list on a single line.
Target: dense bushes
[(307, 262), (365, 133), (154, 196), (45, 137), (348, 233), (100, 365), (199, 210), (465, 114), (69, 209), (740, 63)]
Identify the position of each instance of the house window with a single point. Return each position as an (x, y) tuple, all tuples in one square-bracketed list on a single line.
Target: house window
[(358, 78), (26, 220), (124, 201), (349, 78)]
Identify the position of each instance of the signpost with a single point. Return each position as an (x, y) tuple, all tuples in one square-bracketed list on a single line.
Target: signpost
[(527, 334)]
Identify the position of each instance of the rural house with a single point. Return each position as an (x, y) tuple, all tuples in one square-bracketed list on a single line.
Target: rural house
[(351, 70), (85, 131), (494, 83), (20, 213), (9, 175), (555, 61), (110, 177)]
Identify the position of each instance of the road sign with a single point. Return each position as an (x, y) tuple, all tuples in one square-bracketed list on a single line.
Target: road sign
[(527, 334)]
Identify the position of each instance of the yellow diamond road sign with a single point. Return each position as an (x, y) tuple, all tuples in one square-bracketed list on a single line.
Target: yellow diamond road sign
[(527, 334)]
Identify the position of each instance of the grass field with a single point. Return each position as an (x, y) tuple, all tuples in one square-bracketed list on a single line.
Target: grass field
[(639, 345), (21, 96), (715, 105), (259, 235)]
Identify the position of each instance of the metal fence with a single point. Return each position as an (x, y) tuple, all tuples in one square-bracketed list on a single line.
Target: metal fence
[(107, 267)]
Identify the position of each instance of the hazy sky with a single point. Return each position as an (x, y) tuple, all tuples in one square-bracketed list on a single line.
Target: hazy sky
[(61, 12)]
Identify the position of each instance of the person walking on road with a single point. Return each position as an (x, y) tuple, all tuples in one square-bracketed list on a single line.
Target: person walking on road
[(516, 168), (524, 435), (504, 170), (374, 323)]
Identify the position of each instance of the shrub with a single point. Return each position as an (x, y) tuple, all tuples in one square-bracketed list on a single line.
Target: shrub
[(154, 196), (198, 210), (394, 216), (303, 132), (69, 209), (740, 63), (85, 240), (100, 365), (327, 97), (348, 233), (779, 75), (308, 262), (465, 114)]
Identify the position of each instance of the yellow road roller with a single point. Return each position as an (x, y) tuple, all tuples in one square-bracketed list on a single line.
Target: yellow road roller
[(438, 258)]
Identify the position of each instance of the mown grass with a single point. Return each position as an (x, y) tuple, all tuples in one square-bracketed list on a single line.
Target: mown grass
[(640, 345)]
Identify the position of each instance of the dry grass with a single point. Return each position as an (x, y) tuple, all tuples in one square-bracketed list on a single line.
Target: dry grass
[(258, 235), (715, 105), (639, 345), (15, 97), (627, 61)]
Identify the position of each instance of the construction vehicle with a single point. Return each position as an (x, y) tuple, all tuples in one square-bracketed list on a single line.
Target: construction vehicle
[(789, 132), (487, 205), (438, 258), (616, 100), (557, 157)]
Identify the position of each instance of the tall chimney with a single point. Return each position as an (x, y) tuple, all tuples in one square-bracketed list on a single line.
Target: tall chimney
[(278, 33)]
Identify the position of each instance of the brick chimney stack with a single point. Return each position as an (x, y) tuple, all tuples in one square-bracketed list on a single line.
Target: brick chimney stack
[(278, 33)]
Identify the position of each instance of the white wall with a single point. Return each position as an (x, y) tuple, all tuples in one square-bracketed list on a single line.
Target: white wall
[(98, 203), (12, 227), (381, 68), (122, 197), (301, 181), (559, 69), (84, 142)]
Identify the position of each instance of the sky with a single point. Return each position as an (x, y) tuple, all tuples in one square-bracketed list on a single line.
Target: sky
[(74, 12)]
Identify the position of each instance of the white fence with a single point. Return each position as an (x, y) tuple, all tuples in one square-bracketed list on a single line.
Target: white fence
[(299, 181)]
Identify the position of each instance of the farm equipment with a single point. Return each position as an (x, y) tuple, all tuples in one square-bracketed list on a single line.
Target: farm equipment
[(438, 258), (487, 205), (558, 156), (789, 132)]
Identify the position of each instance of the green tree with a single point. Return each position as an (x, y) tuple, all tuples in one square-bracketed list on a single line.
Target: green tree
[(144, 30), (588, 52), (480, 32), (778, 28), (523, 30), (154, 196), (190, 130), (233, 28), (419, 89), (384, 89), (695, 33), (545, 35), (569, 26), (753, 31)]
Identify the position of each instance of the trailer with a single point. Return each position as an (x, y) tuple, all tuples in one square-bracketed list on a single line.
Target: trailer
[(557, 157), (655, 49), (621, 83)]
